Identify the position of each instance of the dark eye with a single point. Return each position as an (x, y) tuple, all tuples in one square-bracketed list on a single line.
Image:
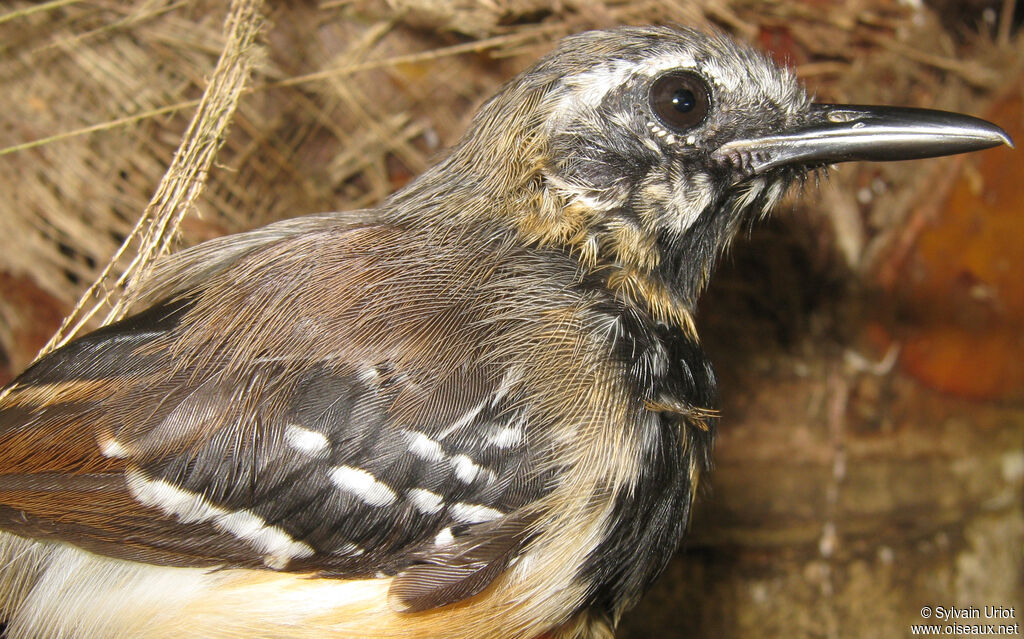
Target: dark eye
[(680, 100)]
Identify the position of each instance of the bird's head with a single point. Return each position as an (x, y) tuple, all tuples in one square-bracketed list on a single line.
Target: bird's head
[(641, 149)]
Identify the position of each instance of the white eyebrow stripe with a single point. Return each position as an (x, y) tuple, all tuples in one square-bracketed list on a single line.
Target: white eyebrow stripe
[(588, 89), (363, 485)]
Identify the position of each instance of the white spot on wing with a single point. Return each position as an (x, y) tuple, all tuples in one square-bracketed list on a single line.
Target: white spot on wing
[(348, 548), (444, 537), (363, 485), (468, 470), (113, 448), (425, 501), (508, 380), (305, 440), (278, 545), (473, 513), (369, 375), (465, 468), (505, 436), (187, 507), (424, 447), (463, 421)]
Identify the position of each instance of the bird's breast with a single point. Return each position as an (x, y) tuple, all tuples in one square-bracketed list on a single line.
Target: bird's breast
[(667, 389)]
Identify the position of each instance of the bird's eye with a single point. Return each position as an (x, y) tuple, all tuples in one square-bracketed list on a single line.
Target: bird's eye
[(680, 100)]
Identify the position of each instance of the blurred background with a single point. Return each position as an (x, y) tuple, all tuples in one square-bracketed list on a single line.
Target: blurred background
[(869, 338)]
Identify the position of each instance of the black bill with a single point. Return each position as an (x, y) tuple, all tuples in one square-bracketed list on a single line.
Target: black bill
[(840, 133)]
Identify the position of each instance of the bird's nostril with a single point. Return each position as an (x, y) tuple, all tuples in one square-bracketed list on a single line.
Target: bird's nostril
[(843, 116)]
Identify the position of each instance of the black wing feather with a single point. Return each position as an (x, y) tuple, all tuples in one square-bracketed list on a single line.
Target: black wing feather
[(221, 434)]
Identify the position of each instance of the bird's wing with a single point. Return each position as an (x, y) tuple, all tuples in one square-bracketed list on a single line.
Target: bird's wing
[(303, 424)]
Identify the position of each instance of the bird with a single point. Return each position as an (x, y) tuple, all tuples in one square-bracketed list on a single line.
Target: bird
[(479, 410)]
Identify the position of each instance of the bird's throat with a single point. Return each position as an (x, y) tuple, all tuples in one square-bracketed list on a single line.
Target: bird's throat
[(611, 246)]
